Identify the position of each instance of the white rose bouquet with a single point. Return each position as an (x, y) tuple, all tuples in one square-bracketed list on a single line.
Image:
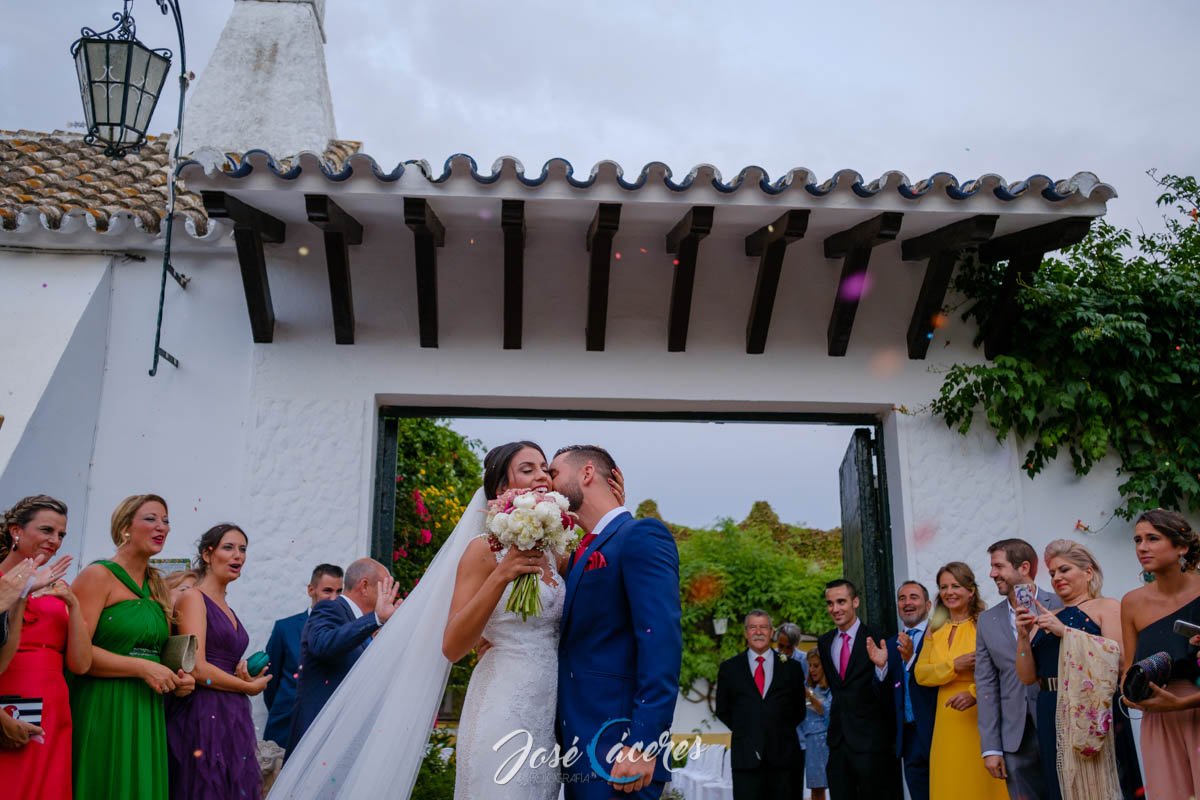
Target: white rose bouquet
[(530, 520)]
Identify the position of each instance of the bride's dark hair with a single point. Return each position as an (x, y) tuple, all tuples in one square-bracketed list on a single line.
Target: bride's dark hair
[(495, 466)]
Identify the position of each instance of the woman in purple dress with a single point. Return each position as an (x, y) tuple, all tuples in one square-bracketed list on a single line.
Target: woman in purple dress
[(210, 734)]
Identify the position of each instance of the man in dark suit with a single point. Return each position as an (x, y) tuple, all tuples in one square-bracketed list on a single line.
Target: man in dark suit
[(760, 696), (862, 720), (283, 648), (1007, 707), (915, 705), (336, 634)]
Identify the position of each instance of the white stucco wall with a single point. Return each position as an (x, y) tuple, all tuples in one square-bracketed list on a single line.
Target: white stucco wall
[(52, 446), (265, 85), (281, 437), (43, 298)]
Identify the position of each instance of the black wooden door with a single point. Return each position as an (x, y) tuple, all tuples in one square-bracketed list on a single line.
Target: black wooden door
[(866, 534)]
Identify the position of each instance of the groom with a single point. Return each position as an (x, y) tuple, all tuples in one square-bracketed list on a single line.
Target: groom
[(621, 642)]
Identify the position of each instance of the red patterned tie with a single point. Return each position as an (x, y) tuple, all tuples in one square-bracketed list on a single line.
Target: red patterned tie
[(587, 539), (760, 677)]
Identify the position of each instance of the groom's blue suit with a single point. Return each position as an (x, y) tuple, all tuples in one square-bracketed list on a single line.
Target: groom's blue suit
[(619, 652)]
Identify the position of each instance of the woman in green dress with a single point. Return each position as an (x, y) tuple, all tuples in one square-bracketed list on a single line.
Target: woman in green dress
[(120, 728)]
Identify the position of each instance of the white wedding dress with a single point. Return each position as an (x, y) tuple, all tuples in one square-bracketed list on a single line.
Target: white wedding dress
[(511, 698), (371, 736)]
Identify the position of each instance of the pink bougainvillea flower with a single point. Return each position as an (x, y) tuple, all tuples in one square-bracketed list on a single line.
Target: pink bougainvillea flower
[(426, 536)]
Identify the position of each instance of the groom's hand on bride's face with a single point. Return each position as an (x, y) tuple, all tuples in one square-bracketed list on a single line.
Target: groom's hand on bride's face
[(631, 763), (387, 598)]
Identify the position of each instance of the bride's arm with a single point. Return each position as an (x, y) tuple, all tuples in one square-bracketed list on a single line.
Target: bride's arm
[(478, 587)]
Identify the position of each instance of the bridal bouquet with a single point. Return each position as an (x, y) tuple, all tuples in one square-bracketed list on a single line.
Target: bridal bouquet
[(530, 520)]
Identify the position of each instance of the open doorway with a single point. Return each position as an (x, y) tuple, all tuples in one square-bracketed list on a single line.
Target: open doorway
[(798, 477), (851, 486)]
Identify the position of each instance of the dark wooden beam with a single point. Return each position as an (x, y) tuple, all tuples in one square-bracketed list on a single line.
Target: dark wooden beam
[(512, 222), (854, 247), (341, 230), (684, 242), (428, 235), (770, 244), (251, 228), (1024, 251), (599, 243), (1042, 239), (942, 247)]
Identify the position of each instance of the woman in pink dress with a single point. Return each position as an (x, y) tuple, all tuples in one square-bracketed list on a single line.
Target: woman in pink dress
[(46, 631), (1169, 552)]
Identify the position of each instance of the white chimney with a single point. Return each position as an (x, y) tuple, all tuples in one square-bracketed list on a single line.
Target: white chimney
[(266, 85)]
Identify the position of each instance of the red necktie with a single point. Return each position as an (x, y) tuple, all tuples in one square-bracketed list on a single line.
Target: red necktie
[(760, 676), (844, 656), (587, 539)]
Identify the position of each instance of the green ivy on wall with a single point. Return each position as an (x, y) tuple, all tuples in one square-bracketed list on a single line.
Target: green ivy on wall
[(1105, 357)]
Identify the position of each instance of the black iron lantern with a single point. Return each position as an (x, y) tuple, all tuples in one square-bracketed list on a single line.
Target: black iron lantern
[(119, 80)]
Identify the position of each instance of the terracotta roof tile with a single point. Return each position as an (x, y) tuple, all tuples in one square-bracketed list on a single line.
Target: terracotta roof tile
[(55, 173)]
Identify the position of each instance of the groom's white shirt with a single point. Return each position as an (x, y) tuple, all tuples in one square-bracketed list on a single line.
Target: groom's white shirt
[(609, 517)]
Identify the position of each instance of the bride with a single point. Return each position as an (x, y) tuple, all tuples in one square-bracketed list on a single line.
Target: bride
[(370, 737)]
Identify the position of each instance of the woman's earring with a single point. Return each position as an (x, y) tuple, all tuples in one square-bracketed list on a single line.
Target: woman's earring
[(1183, 563), (16, 541)]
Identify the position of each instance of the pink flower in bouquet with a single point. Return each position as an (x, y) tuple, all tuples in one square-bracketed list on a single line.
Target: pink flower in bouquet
[(530, 520)]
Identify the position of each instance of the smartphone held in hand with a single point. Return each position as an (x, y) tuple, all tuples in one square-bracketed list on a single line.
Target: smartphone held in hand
[(1026, 594), (1185, 628)]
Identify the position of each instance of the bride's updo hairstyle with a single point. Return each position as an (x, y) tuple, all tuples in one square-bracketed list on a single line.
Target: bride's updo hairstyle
[(495, 466)]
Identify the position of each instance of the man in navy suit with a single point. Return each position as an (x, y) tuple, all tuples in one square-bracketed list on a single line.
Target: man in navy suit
[(915, 704), (336, 634), (283, 648), (621, 643)]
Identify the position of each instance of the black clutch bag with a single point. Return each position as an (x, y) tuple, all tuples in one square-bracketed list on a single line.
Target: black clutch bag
[(1155, 669)]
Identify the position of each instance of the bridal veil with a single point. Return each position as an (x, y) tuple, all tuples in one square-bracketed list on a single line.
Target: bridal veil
[(370, 738)]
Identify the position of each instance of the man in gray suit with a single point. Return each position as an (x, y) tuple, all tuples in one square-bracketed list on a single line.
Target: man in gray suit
[(1006, 706)]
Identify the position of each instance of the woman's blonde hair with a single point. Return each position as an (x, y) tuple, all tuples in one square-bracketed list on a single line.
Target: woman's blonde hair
[(179, 576), (122, 519), (1080, 557), (814, 656)]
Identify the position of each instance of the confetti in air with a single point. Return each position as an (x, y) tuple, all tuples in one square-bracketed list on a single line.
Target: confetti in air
[(303, 251), (854, 287)]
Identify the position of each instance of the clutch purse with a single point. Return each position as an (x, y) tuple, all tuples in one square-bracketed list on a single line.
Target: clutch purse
[(1154, 669), (180, 653), (256, 663)]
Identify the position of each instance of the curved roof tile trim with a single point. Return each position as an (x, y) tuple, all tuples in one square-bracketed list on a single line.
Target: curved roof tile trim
[(1083, 185), (59, 183)]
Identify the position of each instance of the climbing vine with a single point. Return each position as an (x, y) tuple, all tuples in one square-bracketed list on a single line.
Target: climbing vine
[(1105, 357)]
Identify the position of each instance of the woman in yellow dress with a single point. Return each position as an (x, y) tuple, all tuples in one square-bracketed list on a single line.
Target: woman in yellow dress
[(947, 661)]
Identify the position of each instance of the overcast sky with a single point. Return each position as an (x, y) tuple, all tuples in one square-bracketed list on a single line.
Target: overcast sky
[(700, 472), (1014, 88)]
